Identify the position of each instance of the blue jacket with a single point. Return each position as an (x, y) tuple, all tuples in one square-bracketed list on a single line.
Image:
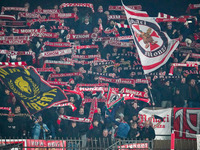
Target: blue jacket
[(36, 131), (123, 129)]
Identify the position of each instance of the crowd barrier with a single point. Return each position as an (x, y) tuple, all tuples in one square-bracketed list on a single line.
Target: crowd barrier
[(95, 144), (75, 144)]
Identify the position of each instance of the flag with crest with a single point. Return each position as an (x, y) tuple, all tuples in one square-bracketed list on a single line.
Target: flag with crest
[(153, 45)]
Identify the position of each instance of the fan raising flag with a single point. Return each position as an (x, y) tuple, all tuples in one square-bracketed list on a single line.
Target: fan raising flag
[(154, 46)]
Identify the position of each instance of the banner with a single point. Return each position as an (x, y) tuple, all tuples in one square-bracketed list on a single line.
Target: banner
[(30, 89), (14, 144), (33, 144), (186, 122), (154, 46), (164, 129), (134, 146)]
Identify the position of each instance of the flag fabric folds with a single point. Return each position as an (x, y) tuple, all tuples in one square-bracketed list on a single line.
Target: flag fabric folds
[(28, 87), (154, 46), (113, 98)]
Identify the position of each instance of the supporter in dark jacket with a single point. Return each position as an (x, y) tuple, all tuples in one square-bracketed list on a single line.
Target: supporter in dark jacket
[(10, 128), (194, 100), (166, 95), (148, 133), (178, 100), (73, 130), (134, 131)]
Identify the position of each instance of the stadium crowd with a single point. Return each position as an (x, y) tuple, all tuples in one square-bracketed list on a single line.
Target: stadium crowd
[(121, 120)]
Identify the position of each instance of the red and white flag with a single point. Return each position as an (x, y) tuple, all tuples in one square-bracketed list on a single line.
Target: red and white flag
[(154, 46)]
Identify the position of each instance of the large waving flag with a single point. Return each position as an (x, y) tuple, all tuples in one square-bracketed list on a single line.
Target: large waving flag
[(154, 46), (32, 91)]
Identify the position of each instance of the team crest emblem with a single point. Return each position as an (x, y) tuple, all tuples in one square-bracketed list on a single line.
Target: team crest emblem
[(152, 42)]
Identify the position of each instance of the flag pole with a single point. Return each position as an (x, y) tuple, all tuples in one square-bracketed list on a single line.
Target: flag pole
[(151, 97)]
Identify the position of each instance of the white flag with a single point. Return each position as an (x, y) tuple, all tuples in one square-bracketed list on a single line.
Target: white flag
[(154, 46)]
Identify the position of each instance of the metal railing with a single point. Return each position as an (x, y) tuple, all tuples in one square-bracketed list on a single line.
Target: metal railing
[(95, 144), (75, 144)]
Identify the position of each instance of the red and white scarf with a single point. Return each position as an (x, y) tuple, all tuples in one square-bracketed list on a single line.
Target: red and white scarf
[(118, 44), (6, 108), (85, 56), (182, 65), (122, 25), (120, 8), (192, 6), (117, 17), (23, 63), (6, 38), (83, 62), (28, 15), (13, 23), (90, 5), (44, 34), (86, 47), (113, 30), (55, 53), (61, 75), (66, 104), (101, 74), (3, 9), (60, 28), (117, 81), (57, 63), (8, 17), (135, 92), (163, 15), (81, 36), (46, 70), (94, 84), (46, 11), (86, 120), (58, 44), (58, 83), (158, 20), (28, 31), (14, 42), (21, 53), (31, 22), (64, 16), (123, 80)]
